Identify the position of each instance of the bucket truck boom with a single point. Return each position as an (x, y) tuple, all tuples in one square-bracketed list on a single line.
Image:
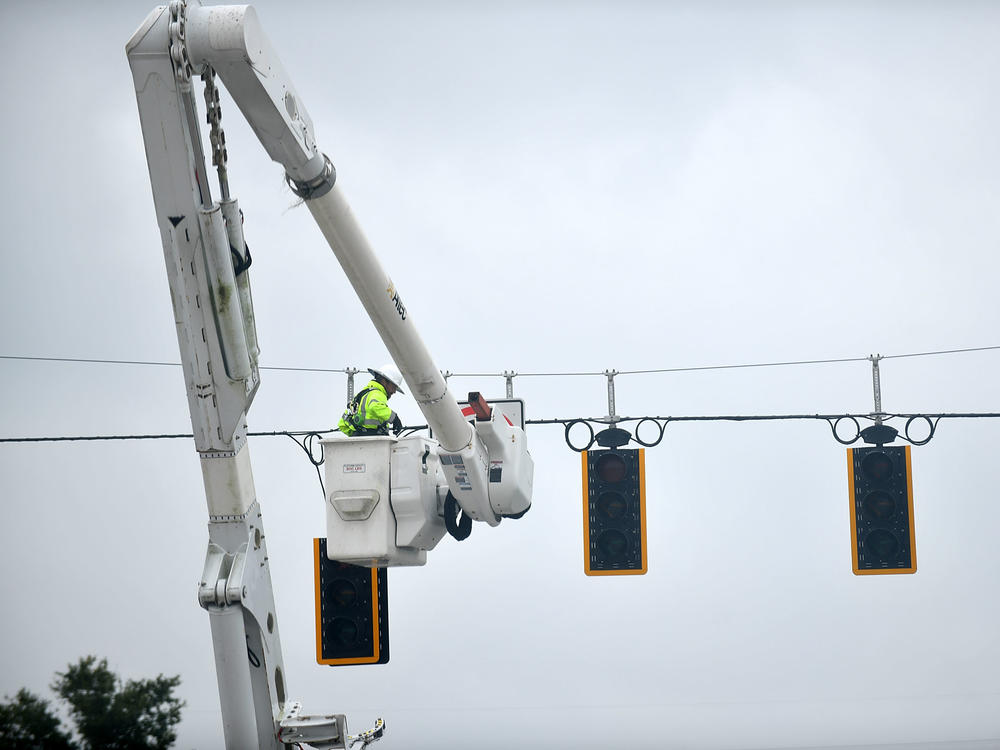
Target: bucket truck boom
[(485, 468)]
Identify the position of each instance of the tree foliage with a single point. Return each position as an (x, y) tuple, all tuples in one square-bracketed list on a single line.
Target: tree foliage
[(26, 722), (108, 714)]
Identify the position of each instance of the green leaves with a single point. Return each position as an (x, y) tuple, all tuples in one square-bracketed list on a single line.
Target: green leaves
[(108, 714), (26, 723)]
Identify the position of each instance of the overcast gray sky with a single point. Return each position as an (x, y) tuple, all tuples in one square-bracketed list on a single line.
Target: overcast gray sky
[(645, 185)]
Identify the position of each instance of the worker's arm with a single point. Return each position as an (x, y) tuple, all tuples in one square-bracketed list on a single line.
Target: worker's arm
[(378, 409)]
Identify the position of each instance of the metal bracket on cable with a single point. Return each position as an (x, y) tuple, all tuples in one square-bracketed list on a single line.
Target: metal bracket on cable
[(877, 387), (878, 433), (351, 372), (510, 375), (612, 419), (612, 437)]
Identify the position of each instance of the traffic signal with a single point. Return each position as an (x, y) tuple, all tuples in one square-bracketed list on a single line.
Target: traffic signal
[(881, 489), (352, 611), (614, 511)]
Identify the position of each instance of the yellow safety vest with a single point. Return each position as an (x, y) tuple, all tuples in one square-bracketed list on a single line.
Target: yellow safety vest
[(368, 413)]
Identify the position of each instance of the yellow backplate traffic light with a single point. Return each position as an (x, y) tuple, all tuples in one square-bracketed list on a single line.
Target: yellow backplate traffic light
[(352, 611), (882, 533), (614, 512)]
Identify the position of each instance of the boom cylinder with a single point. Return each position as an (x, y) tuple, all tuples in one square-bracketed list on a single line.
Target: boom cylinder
[(392, 320)]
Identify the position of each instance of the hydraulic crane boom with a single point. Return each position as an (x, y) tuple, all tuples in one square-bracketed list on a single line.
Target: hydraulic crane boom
[(256, 79), (487, 467)]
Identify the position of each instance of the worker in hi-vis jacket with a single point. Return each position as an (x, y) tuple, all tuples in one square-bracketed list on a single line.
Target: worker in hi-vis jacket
[(368, 413)]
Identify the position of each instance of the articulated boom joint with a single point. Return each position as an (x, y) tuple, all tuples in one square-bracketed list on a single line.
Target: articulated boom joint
[(319, 186), (222, 581)]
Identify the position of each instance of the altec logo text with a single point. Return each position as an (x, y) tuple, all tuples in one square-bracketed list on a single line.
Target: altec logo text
[(394, 298)]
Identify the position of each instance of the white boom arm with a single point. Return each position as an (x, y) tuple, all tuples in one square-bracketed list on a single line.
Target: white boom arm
[(229, 38), (206, 260)]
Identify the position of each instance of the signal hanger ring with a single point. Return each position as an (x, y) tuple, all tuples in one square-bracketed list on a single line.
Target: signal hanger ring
[(656, 442), (836, 436), (932, 425), (569, 426)]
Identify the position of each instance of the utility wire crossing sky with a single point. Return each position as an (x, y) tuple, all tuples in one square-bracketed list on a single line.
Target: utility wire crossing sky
[(536, 374), (560, 186)]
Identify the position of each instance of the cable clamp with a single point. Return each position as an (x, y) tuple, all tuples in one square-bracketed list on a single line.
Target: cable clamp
[(320, 186)]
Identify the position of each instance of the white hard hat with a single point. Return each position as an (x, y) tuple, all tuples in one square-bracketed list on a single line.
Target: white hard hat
[(391, 373)]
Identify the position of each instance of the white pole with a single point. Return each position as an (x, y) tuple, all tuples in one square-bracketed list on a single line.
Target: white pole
[(233, 671)]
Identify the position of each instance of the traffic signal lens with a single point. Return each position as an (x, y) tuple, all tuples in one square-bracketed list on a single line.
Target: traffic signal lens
[(877, 467), (881, 494), (344, 593), (352, 611), (614, 512), (880, 505), (613, 544), (611, 468), (882, 545), (343, 631), (612, 505)]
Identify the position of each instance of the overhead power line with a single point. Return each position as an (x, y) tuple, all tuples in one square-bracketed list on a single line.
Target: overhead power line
[(156, 364), (553, 421), (703, 367), (155, 436), (90, 361), (947, 351), (510, 374), (537, 374), (724, 367)]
